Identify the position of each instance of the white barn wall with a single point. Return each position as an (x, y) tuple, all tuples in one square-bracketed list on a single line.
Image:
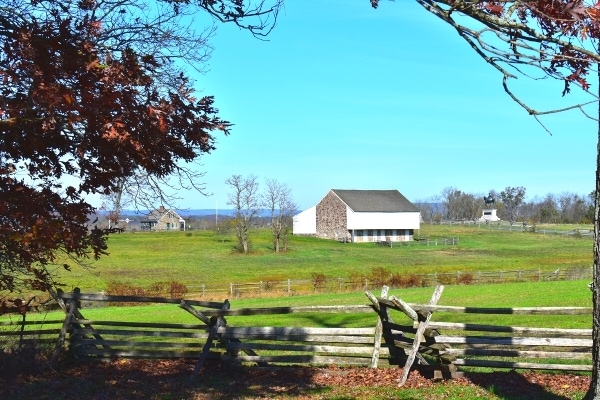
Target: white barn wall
[(374, 220), (305, 223)]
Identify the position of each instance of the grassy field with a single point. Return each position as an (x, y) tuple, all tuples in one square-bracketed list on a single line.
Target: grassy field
[(202, 257), (526, 294)]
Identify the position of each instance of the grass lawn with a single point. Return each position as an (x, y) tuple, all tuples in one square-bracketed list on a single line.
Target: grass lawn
[(526, 294), (202, 257)]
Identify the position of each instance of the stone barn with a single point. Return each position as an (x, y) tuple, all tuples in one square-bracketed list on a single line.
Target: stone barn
[(360, 216)]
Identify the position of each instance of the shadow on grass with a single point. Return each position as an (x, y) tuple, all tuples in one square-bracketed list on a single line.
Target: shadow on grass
[(170, 380), (257, 382), (156, 379), (512, 385)]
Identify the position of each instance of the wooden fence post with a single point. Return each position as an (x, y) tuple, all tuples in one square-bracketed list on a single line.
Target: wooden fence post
[(74, 306), (214, 324), (379, 324), (63, 331), (419, 334)]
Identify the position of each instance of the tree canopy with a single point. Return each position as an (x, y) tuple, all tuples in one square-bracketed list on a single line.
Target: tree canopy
[(94, 92)]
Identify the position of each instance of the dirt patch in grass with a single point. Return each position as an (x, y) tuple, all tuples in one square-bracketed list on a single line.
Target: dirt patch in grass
[(142, 379)]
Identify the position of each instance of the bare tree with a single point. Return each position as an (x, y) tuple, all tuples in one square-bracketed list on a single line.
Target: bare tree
[(113, 203), (548, 209), (573, 208), (277, 198), (449, 198), (460, 205), (245, 200), (512, 198), (426, 208)]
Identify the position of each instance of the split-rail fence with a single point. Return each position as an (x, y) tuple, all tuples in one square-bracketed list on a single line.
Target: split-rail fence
[(402, 334)]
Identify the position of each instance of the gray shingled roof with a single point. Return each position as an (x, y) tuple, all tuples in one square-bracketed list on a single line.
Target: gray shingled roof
[(375, 200), (157, 214)]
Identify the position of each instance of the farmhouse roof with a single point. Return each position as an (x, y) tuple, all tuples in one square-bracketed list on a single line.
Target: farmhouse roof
[(157, 214), (375, 200)]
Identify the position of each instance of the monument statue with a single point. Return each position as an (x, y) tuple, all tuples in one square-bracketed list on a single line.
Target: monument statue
[(489, 210), (489, 200)]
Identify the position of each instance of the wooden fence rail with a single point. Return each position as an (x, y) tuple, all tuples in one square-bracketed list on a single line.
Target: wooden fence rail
[(22, 333), (213, 339), (416, 335), (339, 284), (495, 346)]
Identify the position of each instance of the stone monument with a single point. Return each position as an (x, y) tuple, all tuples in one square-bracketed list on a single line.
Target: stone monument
[(489, 210)]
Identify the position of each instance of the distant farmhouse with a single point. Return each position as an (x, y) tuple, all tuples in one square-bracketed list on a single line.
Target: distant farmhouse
[(360, 216), (162, 219)]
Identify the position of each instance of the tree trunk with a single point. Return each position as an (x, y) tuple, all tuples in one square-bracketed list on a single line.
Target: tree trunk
[(594, 391)]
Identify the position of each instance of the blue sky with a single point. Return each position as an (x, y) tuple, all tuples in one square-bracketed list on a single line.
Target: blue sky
[(346, 97)]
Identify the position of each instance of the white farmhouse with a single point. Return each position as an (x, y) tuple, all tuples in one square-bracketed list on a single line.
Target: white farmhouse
[(360, 216)]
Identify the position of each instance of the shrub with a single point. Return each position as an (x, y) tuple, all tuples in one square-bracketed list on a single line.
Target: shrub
[(319, 280), (270, 285), (357, 281), (115, 288), (177, 289), (465, 279), (396, 280), (380, 276), (411, 281), (173, 289), (445, 279)]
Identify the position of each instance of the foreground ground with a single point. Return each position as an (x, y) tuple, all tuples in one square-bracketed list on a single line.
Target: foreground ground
[(166, 380)]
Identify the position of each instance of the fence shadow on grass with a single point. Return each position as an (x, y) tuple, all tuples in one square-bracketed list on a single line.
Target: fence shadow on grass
[(511, 385)]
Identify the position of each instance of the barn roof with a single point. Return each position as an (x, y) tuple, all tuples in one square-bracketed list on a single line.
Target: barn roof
[(375, 200), (158, 213)]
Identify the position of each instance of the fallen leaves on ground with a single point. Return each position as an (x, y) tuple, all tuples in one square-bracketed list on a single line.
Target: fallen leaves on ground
[(170, 379)]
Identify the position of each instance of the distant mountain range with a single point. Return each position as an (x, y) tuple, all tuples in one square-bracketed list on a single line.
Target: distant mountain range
[(190, 213)]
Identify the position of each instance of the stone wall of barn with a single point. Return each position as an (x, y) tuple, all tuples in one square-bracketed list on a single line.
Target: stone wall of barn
[(168, 222), (331, 218)]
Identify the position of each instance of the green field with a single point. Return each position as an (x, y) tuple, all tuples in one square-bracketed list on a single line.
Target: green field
[(524, 294), (202, 257)]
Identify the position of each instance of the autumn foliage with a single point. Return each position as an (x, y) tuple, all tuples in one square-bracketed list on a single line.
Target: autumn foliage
[(78, 111), (554, 37)]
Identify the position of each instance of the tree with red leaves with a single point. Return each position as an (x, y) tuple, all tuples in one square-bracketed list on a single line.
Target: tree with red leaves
[(556, 39), (95, 92)]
